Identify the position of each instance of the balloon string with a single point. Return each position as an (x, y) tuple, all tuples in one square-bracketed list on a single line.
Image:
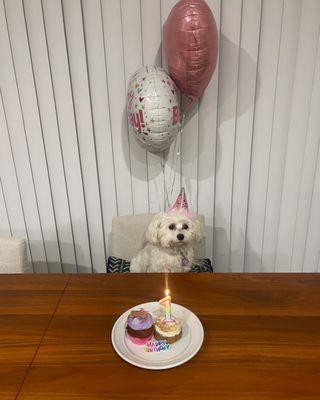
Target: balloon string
[(178, 156), (165, 197), (177, 149)]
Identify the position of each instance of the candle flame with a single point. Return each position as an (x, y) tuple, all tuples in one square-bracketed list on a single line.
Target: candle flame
[(167, 292)]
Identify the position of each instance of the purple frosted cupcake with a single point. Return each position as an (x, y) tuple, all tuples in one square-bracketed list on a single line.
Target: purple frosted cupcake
[(140, 326)]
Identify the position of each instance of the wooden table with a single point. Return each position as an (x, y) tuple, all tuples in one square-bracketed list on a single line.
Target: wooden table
[(262, 337)]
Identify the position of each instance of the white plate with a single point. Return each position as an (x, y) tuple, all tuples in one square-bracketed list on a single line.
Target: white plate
[(179, 352)]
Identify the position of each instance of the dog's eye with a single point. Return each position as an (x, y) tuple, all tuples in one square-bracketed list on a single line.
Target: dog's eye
[(172, 227), (185, 226)]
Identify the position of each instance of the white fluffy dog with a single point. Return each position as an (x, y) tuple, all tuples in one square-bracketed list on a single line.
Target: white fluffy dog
[(169, 244)]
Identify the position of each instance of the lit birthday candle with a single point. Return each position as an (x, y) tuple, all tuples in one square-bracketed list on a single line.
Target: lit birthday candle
[(166, 303)]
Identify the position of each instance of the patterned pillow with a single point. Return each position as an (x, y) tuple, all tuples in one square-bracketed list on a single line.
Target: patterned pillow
[(204, 266), (118, 265)]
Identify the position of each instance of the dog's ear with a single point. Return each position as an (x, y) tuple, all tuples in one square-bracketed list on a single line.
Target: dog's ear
[(152, 233), (199, 231)]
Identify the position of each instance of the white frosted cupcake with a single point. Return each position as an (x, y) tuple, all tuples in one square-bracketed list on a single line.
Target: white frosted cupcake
[(169, 330)]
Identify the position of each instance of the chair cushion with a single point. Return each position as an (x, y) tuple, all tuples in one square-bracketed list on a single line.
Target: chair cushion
[(118, 265), (13, 255)]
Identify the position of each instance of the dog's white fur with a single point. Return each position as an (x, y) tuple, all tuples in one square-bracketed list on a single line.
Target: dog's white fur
[(164, 252)]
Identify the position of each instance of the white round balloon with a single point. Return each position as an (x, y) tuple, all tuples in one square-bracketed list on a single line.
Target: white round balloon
[(153, 108)]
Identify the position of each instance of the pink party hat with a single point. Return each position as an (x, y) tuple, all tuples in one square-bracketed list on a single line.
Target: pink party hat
[(181, 204)]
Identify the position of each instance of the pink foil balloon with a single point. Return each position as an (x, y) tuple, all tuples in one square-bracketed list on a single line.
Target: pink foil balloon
[(190, 40)]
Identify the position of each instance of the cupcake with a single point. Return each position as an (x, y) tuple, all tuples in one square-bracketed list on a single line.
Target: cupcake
[(140, 326), (167, 329)]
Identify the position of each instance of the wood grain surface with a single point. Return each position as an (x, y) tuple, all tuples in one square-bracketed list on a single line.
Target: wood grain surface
[(27, 305), (262, 337)]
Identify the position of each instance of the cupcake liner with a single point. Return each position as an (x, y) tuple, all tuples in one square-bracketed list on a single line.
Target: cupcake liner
[(139, 341), (170, 339)]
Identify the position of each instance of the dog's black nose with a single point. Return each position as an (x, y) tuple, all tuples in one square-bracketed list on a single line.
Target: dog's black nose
[(180, 236)]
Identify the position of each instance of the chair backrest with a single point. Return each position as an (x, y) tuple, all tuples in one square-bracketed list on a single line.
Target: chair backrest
[(13, 255), (129, 236)]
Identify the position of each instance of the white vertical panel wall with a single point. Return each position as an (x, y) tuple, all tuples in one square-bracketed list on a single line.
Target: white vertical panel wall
[(249, 151)]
